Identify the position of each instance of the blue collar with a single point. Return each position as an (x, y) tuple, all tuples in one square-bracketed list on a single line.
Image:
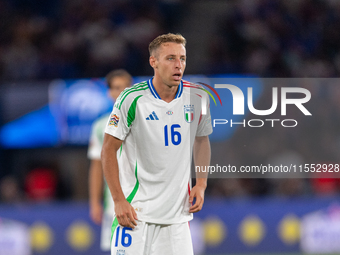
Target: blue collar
[(155, 94)]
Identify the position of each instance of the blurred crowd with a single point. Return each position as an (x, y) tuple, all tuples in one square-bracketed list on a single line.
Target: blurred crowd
[(277, 38), (79, 38), (38, 184), (74, 39), (270, 38)]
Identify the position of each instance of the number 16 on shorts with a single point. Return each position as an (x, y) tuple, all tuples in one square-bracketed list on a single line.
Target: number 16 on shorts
[(125, 238), (121, 241)]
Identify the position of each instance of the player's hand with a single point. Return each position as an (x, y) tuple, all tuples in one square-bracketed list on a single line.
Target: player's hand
[(125, 214), (96, 213), (198, 193)]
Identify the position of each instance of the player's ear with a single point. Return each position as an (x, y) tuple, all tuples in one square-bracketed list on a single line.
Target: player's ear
[(152, 61)]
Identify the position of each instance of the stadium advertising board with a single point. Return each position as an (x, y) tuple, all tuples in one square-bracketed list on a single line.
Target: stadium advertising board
[(259, 226)]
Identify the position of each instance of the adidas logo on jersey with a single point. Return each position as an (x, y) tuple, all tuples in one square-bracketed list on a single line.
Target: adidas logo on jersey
[(152, 116)]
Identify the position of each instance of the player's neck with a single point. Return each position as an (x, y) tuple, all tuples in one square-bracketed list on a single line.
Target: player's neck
[(165, 92)]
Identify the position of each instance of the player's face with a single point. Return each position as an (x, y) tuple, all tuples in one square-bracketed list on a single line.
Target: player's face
[(169, 63), (117, 85)]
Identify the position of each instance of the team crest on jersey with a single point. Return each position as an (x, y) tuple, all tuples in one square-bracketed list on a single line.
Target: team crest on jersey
[(120, 252), (114, 119), (189, 113)]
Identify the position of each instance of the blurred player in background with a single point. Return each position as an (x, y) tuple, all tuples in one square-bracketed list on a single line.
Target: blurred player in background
[(150, 136), (117, 81)]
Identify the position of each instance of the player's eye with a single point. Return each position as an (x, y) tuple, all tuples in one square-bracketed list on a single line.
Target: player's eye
[(171, 58)]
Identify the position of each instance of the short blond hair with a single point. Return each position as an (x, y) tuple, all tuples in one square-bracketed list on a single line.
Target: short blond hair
[(159, 40)]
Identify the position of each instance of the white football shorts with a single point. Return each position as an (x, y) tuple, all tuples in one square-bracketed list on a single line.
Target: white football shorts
[(105, 238), (152, 239)]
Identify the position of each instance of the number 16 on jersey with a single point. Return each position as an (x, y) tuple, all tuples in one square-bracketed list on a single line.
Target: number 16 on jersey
[(174, 134)]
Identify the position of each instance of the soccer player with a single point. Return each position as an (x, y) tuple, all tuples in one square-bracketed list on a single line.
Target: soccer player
[(117, 81), (151, 133)]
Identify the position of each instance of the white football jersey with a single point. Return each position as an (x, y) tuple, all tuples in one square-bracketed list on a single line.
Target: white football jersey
[(155, 157), (93, 153)]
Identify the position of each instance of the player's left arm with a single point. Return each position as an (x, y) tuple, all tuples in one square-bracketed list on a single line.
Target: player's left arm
[(202, 154)]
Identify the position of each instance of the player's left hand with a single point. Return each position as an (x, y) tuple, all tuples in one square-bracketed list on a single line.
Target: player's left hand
[(198, 193)]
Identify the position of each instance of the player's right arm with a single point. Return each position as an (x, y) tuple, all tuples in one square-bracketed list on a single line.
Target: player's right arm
[(125, 213)]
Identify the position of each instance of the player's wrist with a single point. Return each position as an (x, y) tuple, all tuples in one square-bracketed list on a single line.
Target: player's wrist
[(119, 199), (201, 182)]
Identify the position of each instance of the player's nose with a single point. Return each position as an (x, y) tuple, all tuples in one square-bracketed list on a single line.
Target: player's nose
[(178, 64)]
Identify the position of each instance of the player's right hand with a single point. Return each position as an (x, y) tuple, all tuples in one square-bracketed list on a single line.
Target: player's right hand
[(125, 214)]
